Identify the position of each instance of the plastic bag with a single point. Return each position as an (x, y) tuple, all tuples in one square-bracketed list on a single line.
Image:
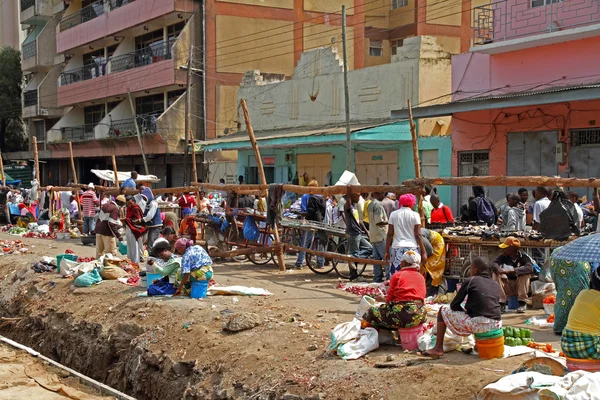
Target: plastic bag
[(112, 273), (453, 342), (538, 287), (558, 220), (427, 341), (366, 342), (366, 302), (343, 333), (73, 268), (251, 231), (88, 279)]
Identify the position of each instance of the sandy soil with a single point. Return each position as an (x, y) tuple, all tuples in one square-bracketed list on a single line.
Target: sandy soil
[(265, 362)]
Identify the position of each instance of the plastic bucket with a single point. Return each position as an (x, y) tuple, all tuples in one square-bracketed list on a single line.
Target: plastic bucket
[(576, 364), (59, 257), (151, 278), (490, 335), (490, 348), (199, 289), (123, 248), (409, 337)]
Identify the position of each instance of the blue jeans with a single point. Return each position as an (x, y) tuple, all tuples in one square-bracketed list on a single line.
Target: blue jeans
[(89, 224), (378, 254), (307, 237), (358, 247)]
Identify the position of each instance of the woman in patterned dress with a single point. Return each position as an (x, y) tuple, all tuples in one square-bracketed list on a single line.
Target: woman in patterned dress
[(570, 278), (196, 265)]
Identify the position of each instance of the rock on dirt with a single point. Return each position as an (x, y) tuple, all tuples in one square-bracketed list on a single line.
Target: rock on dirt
[(312, 347), (241, 322)]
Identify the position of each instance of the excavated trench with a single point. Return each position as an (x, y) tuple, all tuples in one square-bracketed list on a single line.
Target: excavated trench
[(118, 357)]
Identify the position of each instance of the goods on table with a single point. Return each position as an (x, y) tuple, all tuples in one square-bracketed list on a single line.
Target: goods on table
[(516, 336), (485, 231)]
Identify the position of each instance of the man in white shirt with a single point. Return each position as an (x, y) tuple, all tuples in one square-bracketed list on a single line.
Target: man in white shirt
[(541, 195), (574, 197)]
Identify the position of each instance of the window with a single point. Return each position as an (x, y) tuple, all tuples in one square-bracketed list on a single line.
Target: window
[(541, 3), (39, 130), (400, 3), (471, 163), (375, 48), (429, 163), (90, 58), (583, 137), (173, 31), (93, 114), (173, 96), (146, 40), (395, 45), (153, 104)]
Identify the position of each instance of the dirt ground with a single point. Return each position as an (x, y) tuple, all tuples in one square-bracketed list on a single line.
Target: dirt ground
[(175, 348)]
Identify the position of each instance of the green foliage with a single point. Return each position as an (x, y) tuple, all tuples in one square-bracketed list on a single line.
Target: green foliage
[(12, 136)]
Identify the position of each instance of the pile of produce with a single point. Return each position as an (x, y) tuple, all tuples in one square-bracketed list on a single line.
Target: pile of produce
[(360, 290), (13, 247), (444, 298), (517, 336)]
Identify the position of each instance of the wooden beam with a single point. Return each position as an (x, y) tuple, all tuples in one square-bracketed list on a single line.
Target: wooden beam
[(506, 181), (37, 164), (263, 179), (115, 171), (244, 251), (415, 147), (337, 256), (329, 190)]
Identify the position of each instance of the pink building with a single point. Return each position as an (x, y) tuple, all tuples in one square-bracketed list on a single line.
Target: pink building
[(526, 98)]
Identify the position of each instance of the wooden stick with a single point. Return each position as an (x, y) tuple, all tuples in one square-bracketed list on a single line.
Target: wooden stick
[(79, 206), (202, 234), (115, 171), (263, 179), (506, 181), (414, 189), (243, 251), (415, 146), (37, 164), (5, 185), (336, 256)]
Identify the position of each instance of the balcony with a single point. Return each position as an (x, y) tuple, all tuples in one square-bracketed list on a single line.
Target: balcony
[(106, 18), (30, 98), (39, 50), (118, 129), (36, 12), (84, 73), (29, 50), (78, 133), (508, 20)]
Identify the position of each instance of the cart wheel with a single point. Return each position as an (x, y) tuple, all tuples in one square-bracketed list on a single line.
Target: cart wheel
[(240, 258), (260, 258), (342, 268), (466, 270)]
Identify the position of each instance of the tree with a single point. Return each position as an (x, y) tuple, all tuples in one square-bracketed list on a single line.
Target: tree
[(12, 135)]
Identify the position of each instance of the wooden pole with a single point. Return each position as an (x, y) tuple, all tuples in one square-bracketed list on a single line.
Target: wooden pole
[(507, 181), (415, 146), (337, 256), (37, 164), (115, 171), (79, 206), (6, 209), (139, 135), (196, 181), (263, 178)]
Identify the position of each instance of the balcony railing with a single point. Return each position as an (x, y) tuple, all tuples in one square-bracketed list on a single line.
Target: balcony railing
[(510, 19), (78, 133), (84, 73), (29, 50), (126, 127), (90, 12), (30, 98), (25, 4), (149, 55)]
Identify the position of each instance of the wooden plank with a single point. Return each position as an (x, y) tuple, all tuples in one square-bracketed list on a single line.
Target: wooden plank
[(415, 147), (329, 190), (505, 181), (337, 256)]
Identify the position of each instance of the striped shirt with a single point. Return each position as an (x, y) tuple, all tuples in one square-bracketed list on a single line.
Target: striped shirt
[(88, 202)]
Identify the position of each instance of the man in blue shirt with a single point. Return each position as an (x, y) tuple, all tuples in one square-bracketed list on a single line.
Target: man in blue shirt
[(129, 183)]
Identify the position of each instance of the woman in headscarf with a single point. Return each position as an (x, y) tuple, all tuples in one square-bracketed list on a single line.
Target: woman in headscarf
[(196, 265), (404, 233), (436, 262), (167, 265), (134, 230), (570, 278), (405, 301)]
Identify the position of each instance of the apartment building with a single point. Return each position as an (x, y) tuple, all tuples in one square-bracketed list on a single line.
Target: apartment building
[(95, 69), (526, 95), (10, 31)]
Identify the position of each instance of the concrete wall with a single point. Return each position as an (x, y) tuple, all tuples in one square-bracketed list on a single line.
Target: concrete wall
[(420, 72), (10, 31), (73, 117)]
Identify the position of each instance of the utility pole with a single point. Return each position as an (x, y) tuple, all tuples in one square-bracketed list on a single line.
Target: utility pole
[(346, 95), (188, 102), (137, 129)]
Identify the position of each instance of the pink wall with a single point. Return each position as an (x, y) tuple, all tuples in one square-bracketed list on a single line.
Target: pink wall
[(149, 77), (118, 20), (487, 130), (516, 18), (542, 67)]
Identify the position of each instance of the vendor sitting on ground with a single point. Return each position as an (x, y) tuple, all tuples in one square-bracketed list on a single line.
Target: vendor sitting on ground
[(481, 313), (405, 300), (513, 270), (196, 265), (581, 336), (169, 269)]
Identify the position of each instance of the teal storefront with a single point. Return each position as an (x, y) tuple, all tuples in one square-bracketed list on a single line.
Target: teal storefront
[(382, 153)]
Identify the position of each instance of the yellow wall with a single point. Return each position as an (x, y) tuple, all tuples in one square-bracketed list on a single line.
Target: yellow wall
[(329, 6), (405, 15), (267, 3), (446, 12), (477, 3), (451, 44), (227, 108), (321, 36), (377, 14), (371, 61), (272, 53)]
